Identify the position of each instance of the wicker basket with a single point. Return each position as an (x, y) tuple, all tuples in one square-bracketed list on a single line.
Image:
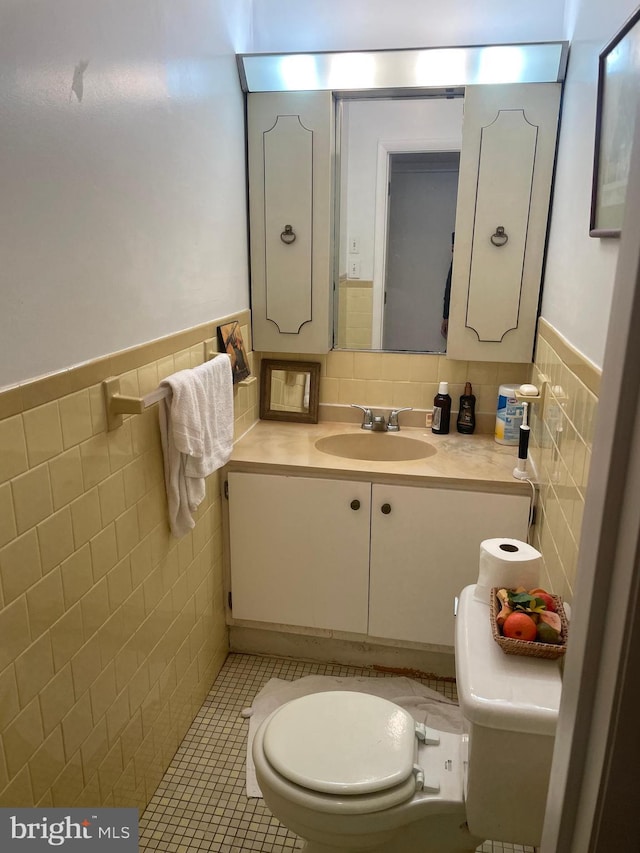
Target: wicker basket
[(531, 648)]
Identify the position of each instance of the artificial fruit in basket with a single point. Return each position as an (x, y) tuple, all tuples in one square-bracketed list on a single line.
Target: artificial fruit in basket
[(519, 626), (547, 634), (548, 599), (505, 609), (528, 615), (551, 619)]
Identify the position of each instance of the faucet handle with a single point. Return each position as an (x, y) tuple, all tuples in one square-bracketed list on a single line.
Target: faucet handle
[(367, 416), (393, 425)]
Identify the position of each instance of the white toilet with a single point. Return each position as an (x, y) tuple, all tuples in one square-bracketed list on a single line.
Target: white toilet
[(349, 771)]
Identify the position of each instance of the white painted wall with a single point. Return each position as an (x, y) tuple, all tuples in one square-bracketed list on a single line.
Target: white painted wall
[(123, 215), (580, 269), (375, 24)]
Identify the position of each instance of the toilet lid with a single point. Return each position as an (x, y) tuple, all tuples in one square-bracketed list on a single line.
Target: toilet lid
[(341, 742)]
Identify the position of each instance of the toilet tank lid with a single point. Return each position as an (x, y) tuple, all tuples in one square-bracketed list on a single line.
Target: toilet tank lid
[(500, 691)]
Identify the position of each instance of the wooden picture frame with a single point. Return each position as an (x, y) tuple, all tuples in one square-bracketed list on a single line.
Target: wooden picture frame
[(618, 85), (232, 343), (289, 390)]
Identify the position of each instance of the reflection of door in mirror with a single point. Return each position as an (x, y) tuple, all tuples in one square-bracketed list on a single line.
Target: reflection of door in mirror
[(397, 188), (422, 196)]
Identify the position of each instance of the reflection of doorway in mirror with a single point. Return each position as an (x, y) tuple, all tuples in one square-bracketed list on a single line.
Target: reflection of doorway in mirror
[(372, 132), (422, 196)]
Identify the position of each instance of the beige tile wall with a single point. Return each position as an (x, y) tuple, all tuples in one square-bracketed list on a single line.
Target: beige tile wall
[(111, 631), (561, 441), (410, 379), (355, 313)]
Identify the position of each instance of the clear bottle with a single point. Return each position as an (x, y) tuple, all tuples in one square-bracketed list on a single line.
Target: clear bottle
[(441, 410), (467, 413)]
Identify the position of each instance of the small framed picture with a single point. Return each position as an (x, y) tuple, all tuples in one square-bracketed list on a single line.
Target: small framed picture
[(231, 340)]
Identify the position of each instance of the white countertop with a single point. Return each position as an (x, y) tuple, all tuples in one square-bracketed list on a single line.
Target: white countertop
[(475, 462)]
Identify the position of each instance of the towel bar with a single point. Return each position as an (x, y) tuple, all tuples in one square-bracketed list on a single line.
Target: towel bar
[(118, 404)]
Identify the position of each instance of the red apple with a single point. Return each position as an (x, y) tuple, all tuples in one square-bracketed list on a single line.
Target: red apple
[(549, 603)]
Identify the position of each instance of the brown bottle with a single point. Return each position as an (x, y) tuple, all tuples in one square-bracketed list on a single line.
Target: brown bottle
[(441, 410), (467, 413)]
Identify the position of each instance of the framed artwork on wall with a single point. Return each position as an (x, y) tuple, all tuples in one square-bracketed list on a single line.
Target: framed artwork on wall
[(233, 345), (618, 86)]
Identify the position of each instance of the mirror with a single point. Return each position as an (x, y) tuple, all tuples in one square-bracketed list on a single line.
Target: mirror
[(397, 188), (289, 390)]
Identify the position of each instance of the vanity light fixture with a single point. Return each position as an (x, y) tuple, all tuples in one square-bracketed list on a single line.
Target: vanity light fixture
[(390, 70)]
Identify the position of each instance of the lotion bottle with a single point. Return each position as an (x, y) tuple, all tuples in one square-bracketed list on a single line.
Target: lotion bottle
[(441, 410), (467, 414)]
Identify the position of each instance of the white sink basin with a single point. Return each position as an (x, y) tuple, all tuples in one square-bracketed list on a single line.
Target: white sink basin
[(375, 446)]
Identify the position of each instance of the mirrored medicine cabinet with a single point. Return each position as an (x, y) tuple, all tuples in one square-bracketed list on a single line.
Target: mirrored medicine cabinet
[(362, 168)]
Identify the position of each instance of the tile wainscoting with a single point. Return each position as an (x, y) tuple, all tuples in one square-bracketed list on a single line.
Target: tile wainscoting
[(112, 631), (561, 442)]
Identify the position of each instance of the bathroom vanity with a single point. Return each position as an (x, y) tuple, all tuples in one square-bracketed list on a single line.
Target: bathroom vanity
[(366, 550)]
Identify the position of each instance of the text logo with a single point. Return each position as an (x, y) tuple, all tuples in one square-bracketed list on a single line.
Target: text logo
[(73, 830)]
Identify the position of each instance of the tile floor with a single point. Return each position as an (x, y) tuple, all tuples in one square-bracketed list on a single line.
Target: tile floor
[(200, 804)]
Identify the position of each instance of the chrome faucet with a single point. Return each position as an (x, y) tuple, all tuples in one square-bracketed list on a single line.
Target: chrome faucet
[(377, 423), (393, 425), (367, 416)]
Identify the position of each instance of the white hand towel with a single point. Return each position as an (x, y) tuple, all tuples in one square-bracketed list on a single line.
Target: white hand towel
[(196, 427)]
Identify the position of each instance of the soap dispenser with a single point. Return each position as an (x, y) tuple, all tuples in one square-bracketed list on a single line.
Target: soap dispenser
[(441, 410), (467, 413)]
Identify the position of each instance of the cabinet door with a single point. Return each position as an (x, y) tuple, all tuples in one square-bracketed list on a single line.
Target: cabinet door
[(424, 549), (290, 152), (506, 169), (300, 551)]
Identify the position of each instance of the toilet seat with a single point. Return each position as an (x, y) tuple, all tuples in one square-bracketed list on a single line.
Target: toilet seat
[(330, 743)]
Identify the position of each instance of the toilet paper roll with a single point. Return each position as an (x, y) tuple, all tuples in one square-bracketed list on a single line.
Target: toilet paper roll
[(507, 563)]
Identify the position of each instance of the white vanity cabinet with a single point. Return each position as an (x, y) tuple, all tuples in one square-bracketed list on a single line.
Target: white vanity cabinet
[(506, 170), (424, 550), (299, 550), (290, 158), (357, 557)]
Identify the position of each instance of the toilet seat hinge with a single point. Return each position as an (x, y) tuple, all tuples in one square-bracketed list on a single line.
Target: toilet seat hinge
[(429, 736), (423, 783)]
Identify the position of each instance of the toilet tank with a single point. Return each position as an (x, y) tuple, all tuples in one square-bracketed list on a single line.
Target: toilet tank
[(510, 708)]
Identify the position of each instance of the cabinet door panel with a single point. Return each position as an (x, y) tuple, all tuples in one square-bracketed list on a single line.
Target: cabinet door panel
[(290, 158), (425, 549), (299, 551), (506, 171)]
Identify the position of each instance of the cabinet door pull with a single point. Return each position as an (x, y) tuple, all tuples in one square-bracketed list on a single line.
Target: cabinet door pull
[(288, 235), (355, 504), (500, 238), (385, 509)]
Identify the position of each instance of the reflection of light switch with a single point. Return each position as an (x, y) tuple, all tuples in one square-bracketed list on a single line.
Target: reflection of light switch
[(354, 268), (354, 245)]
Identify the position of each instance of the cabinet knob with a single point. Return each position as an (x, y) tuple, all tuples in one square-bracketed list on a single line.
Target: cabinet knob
[(385, 509), (355, 504)]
